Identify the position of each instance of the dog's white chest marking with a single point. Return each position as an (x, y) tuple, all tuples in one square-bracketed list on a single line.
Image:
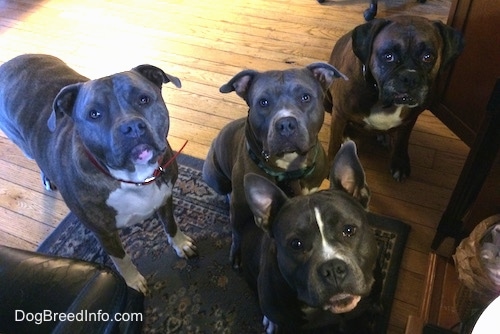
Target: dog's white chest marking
[(134, 204), (328, 250), (286, 160), (307, 191), (384, 121)]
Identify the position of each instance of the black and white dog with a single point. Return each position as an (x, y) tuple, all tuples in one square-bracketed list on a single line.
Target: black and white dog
[(312, 258)]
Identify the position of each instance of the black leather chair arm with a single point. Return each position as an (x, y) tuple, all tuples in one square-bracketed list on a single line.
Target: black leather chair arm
[(47, 294)]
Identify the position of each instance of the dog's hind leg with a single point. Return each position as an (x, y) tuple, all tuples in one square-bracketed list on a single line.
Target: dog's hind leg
[(49, 186)]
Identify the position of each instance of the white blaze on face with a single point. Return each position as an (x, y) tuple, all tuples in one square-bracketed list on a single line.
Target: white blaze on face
[(328, 250), (279, 115)]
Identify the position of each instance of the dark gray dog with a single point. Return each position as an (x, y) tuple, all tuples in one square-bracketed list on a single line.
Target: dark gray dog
[(392, 65), (314, 256), (101, 142), (278, 139)]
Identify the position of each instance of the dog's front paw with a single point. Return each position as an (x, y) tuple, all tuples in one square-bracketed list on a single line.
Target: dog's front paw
[(400, 168), (269, 326), (130, 274), (183, 245), (138, 283)]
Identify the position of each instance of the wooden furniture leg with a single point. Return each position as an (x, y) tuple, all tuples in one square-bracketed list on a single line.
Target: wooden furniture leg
[(476, 168)]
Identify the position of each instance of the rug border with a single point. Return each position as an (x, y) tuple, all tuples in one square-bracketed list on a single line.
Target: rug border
[(403, 230)]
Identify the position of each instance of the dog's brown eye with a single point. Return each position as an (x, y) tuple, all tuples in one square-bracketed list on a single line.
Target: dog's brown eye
[(349, 230), (428, 58), (94, 114), (296, 244), (306, 98), (264, 103), (389, 57), (144, 99)]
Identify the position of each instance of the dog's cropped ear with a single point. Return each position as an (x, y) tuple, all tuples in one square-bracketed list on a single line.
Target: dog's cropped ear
[(325, 73), (264, 198), (363, 36), (240, 83), (348, 174), (453, 43), (63, 104), (156, 75)]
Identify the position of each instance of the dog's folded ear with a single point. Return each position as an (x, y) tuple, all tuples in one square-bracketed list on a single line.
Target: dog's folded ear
[(240, 83), (363, 36), (264, 198), (347, 174), (157, 75), (325, 73), (63, 104), (453, 43)]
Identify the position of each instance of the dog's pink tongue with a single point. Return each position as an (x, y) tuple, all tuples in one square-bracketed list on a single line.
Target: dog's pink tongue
[(343, 303), (142, 154)]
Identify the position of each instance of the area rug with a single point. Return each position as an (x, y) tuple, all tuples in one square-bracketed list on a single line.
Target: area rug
[(204, 294)]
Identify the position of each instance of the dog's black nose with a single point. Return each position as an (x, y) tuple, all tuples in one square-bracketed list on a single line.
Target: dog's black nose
[(334, 271), (133, 129), (409, 79), (286, 126)]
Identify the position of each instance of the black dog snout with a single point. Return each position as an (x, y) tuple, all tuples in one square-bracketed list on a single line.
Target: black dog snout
[(334, 271), (286, 126), (133, 129), (409, 79)]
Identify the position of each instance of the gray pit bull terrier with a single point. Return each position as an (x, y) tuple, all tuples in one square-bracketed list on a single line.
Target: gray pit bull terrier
[(278, 139), (312, 258), (101, 142)]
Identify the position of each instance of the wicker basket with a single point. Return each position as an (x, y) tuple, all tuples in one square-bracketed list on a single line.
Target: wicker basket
[(476, 290)]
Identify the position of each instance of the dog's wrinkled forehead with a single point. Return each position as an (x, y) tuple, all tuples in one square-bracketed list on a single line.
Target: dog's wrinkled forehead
[(334, 209), (287, 83), (126, 87), (406, 37)]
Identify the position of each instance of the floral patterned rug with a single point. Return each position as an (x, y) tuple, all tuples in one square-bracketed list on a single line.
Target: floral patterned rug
[(204, 294)]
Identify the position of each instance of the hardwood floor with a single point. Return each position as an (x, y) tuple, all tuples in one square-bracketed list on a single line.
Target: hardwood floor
[(205, 43)]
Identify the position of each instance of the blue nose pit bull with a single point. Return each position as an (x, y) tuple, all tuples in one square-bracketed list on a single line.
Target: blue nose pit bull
[(278, 139), (313, 257), (101, 142)]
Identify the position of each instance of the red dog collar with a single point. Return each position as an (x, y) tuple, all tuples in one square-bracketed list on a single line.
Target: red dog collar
[(157, 173)]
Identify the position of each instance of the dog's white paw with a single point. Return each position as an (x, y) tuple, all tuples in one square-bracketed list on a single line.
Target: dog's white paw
[(269, 326), (138, 283), (183, 245), (130, 274)]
